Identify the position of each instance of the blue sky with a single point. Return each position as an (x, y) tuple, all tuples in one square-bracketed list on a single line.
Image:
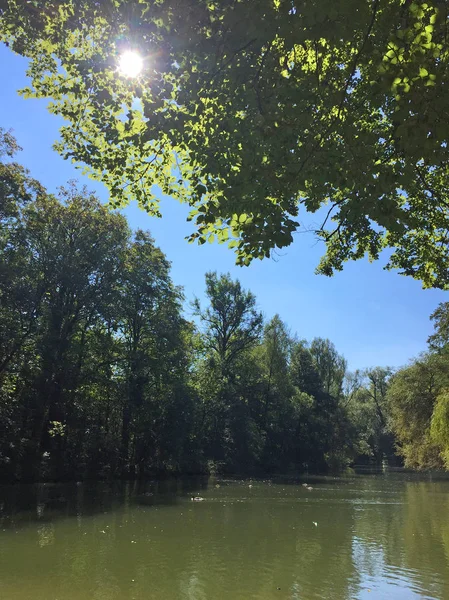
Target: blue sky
[(374, 317)]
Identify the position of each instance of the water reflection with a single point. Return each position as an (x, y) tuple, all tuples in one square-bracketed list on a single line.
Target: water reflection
[(375, 537), (401, 545)]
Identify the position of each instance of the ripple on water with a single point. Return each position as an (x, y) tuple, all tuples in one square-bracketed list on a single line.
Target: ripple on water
[(239, 544)]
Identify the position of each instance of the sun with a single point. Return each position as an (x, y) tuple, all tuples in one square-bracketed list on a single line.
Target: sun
[(130, 63)]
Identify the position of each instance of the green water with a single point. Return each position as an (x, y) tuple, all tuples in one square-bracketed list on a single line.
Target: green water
[(375, 537)]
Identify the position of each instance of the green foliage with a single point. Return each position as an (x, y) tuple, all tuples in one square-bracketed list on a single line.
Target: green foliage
[(439, 429), (418, 401), (439, 340), (252, 111), (366, 397), (102, 376), (231, 328), (412, 398), (232, 323), (93, 360), (331, 367), (56, 428)]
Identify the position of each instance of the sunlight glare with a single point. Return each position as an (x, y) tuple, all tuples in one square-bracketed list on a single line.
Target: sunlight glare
[(130, 64)]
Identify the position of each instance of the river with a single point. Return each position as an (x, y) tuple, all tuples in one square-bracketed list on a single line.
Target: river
[(353, 537)]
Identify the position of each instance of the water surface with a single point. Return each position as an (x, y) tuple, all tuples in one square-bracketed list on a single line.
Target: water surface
[(360, 537)]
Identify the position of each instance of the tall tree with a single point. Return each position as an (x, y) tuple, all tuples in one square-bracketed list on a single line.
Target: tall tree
[(439, 429), (276, 349), (275, 415), (150, 327), (304, 372), (231, 328), (93, 356), (22, 287), (439, 340), (369, 410), (317, 372), (232, 324), (378, 387), (330, 365), (77, 250), (412, 398)]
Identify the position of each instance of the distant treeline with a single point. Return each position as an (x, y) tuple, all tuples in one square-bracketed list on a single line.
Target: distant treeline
[(102, 375)]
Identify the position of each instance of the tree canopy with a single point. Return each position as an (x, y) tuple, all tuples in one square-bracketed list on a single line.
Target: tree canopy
[(418, 400), (255, 112)]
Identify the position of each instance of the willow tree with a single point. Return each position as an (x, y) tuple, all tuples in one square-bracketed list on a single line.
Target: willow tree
[(252, 111)]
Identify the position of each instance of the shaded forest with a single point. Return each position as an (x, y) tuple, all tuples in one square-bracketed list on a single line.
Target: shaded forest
[(103, 375)]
